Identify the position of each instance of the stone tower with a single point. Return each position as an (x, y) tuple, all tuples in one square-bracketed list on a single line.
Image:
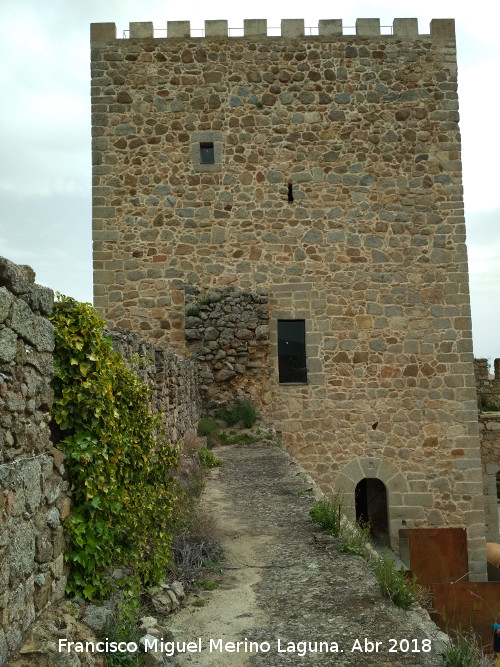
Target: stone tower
[(310, 186)]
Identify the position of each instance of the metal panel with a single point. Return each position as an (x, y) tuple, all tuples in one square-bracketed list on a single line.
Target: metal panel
[(437, 555), (468, 605)]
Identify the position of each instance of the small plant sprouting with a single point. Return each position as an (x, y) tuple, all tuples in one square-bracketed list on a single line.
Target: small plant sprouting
[(206, 584), (209, 298), (394, 583), (241, 411), (463, 651), (192, 311), (199, 603), (327, 514), (239, 437), (259, 105), (208, 458), (356, 538), (208, 427)]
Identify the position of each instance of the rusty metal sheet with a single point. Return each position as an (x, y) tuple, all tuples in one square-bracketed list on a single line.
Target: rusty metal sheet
[(467, 605), (437, 555)]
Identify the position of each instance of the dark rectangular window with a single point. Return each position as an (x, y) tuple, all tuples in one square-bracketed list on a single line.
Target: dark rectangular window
[(207, 153), (292, 351)]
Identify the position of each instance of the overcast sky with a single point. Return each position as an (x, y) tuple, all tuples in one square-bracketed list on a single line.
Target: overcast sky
[(45, 167)]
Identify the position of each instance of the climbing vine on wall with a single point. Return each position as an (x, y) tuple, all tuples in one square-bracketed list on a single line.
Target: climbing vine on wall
[(118, 459)]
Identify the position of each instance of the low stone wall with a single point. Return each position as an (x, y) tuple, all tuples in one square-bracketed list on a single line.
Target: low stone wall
[(227, 332), (173, 380), (34, 498), (33, 491)]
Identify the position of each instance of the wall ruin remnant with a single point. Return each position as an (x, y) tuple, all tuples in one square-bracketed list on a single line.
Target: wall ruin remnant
[(327, 169), (33, 490)]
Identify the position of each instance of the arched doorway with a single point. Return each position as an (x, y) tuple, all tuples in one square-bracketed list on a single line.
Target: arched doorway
[(371, 506)]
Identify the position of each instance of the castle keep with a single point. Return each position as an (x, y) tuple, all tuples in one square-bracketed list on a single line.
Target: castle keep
[(289, 211)]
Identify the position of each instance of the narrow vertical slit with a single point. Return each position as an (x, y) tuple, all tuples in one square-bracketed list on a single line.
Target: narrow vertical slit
[(290, 192)]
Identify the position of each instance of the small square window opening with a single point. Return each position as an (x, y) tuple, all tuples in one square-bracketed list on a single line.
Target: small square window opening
[(207, 153)]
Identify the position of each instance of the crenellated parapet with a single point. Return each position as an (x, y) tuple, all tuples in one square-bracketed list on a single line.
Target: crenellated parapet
[(290, 28)]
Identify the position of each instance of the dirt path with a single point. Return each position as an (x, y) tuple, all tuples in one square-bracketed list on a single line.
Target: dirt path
[(284, 583)]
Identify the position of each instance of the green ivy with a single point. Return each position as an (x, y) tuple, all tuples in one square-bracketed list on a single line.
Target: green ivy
[(116, 454)]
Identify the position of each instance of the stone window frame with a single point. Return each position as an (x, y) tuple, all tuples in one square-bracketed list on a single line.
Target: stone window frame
[(198, 138)]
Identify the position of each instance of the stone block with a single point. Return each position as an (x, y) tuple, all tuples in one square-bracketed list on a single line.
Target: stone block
[(141, 30), (292, 27), (405, 27), (367, 27), (6, 301), (178, 29), (443, 28), (215, 29), (32, 485), (255, 27), (8, 345), (102, 32), (22, 550), (330, 28), (370, 467), (419, 499)]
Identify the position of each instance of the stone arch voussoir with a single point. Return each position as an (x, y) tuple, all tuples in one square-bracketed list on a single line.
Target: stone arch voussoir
[(365, 467)]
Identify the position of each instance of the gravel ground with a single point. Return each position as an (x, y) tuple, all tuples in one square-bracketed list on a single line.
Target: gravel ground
[(284, 583)]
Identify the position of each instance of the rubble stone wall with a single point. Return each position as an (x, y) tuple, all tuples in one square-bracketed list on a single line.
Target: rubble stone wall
[(336, 184), (172, 379), (33, 491), (488, 388), (34, 496), (227, 333), (489, 435)]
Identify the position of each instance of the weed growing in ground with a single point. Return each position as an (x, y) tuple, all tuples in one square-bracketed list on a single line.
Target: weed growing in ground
[(210, 429), (199, 603), (394, 583), (305, 493), (212, 564), (327, 513), (206, 584), (226, 439), (192, 311), (356, 538), (464, 651), (123, 629), (241, 411), (208, 458)]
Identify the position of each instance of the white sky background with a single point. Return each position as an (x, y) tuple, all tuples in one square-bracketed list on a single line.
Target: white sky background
[(45, 163)]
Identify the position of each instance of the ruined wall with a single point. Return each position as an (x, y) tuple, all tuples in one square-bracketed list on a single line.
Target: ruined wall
[(172, 379), (34, 498), (489, 435), (33, 491), (227, 333), (336, 184), (488, 389)]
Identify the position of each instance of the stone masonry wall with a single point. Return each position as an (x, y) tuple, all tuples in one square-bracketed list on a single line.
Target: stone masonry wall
[(172, 379), (488, 394), (227, 332), (34, 498), (488, 389), (33, 491), (489, 435), (336, 184)]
